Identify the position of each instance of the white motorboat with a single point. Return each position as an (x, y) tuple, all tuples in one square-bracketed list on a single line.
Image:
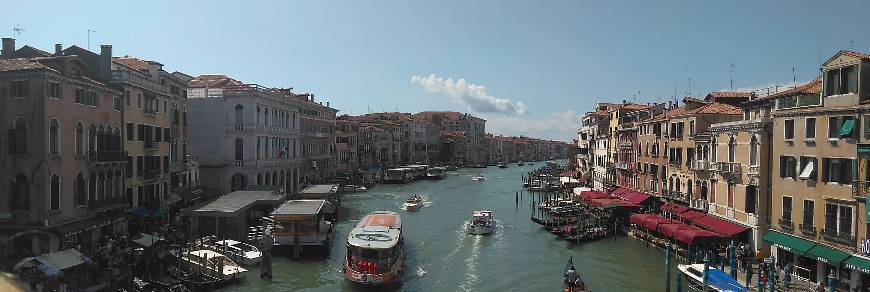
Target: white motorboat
[(481, 222), (413, 203), (353, 188), (213, 264), (478, 177), (716, 280), (240, 252)]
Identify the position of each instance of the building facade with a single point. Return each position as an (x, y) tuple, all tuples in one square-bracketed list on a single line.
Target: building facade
[(317, 122)]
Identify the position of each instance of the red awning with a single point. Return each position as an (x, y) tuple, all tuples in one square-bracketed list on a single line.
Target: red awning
[(719, 226), (696, 236), (690, 215), (633, 197), (674, 208), (652, 223), (612, 201), (669, 229), (637, 219), (589, 195), (620, 191)]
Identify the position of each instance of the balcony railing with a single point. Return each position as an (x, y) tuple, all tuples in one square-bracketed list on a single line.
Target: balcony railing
[(623, 165), (106, 203), (699, 204), (132, 78), (786, 225), (729, 167), (861, 188), (701, 165), (107, 156), (841, 238), (808, 230)]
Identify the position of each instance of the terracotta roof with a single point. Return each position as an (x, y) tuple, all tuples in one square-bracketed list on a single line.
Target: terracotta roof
[(600, 113), (730, 94), (812, 87), (719, 109), (212, 81), (862, 56), (22, 64), (133, 63)]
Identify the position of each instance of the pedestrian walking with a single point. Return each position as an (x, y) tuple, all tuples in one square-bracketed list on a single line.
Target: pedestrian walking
[(786, 278)]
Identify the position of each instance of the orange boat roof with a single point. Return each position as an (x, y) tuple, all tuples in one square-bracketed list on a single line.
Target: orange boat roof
[(383, 220)]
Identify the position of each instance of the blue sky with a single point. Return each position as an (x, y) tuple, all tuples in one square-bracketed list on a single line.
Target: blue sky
[(529, 67)]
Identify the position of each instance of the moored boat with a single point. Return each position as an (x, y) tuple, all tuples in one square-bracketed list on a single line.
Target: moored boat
[(481, 222), (213, 264), (520, 163), (436, 172), (502, 165), (239, 252), (716, 280), (375, 249), (478, 177), (571, 280)]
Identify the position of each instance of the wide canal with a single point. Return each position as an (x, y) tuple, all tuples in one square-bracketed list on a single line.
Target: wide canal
[(441, 256)]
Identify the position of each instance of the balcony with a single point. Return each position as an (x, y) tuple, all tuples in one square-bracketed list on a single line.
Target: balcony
[(124, 76), (730, 213), (625, 144), (630, 126), (701, 165), (808, 230), (107, 156), (786, 225), (699, 204), (729, 167), (841, 238), (623, 165), (860, 188)]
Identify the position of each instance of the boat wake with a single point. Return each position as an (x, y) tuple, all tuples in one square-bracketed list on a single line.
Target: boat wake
[(420, 271)]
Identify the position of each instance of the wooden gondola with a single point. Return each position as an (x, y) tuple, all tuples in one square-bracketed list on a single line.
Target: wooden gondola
[(577, 284)]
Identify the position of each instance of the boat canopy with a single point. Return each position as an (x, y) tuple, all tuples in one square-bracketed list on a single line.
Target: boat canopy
[(377, 230)]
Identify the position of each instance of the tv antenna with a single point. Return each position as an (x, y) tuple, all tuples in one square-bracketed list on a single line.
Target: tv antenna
[(731, 76), (17, 30), (89, 38)]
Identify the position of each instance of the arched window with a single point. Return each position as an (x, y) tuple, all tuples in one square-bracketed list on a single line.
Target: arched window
[(753, 150), (732, 149), (258, 115), (80, 139), (92, 138), (268, 179), (239, 116), (119, 186), (80, 189), (19, 201), (713, 145), (266, 117), (92, 188), (240, 147), (239, 182), (274, 178), (53, 137), (689, 189), (55, 192), (18, 145), (259, 179)]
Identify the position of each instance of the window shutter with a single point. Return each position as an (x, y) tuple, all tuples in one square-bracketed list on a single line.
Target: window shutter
[(782, 166), (846, 174), (26, 89)]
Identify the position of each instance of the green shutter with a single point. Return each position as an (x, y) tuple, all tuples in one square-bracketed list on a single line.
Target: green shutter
[(846, 130)]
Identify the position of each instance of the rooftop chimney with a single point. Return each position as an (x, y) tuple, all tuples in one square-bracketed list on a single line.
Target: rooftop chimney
[(8, 48), (104, 64), (57, 49), (327, 104)]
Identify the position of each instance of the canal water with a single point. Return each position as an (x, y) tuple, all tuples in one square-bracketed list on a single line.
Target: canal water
[(441, 256)]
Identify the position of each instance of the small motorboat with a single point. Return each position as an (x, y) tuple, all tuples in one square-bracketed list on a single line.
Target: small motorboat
[(212, 264), (478, 177), (571, 279), (353, 188), (716, 280), (239, 252), (481, 222), (520, 163), (413, 203), (502, 165)]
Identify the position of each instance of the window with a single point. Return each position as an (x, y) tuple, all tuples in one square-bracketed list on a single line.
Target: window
[(809, 210), (55, 192), (166, 134), (810, 129), (80, 139), (845, 220), (53, 138), (751, 194), (80, 190), (18, 137), (787, 167), (140, 100), (848, 80), (789, 129), (732, 149), (786, 209), (837, 170), (838, 220), (130, 132), (753, 150), (847, 127), (239, 149), (80, 96), (127, 97), (18, 88), (54, 90), (832, 82), (808, 167), (140, 132), (833, 127), (116, 105)]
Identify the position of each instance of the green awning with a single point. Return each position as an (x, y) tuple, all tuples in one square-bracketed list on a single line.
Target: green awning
[(160, 213), (827, 255), (863, 150), (846, 130), (790, 243), (858, 263), (147, 240)]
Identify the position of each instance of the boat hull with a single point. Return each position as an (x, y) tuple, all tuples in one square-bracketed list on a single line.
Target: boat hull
[(412, 206), (374, 279)]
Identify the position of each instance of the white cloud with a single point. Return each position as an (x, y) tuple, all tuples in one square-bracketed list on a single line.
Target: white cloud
[(472, 96), (561, 126)]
